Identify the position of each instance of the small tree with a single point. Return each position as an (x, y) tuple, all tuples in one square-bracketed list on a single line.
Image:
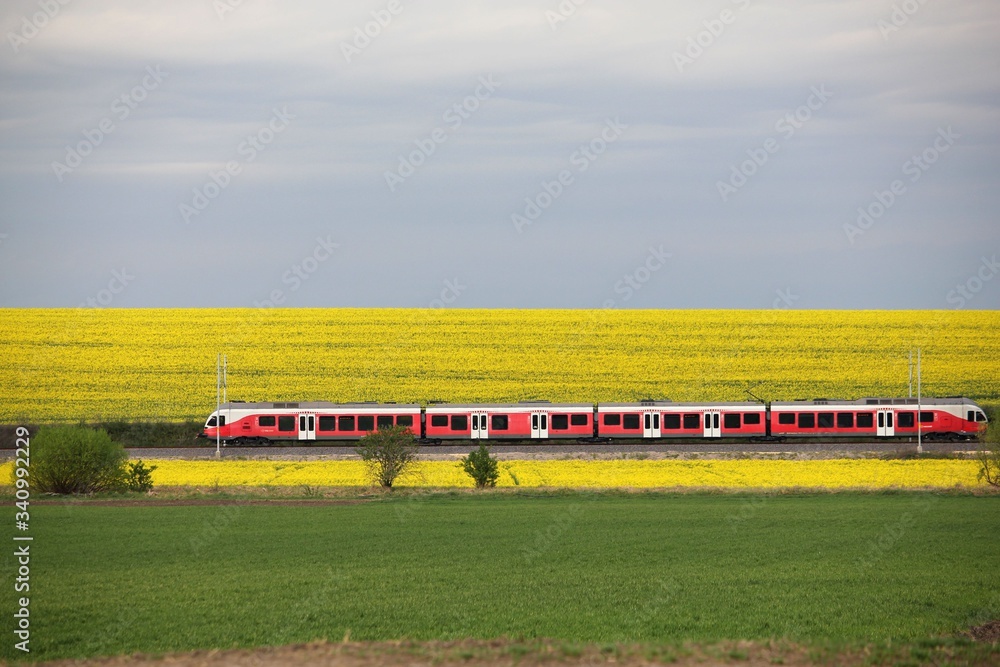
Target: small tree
[(139, 477), (482, 467), (989, 455), (75, 459), (989, 463), (388, 452)]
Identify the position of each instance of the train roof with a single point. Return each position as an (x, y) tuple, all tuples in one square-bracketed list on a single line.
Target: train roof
[(524, 405), (873, 401), (671, 404), (314, 405)]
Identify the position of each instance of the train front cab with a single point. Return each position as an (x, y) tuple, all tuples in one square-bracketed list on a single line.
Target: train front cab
[(878, 417)]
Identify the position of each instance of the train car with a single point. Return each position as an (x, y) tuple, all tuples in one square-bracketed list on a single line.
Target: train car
[(666, 419), (262, 423), (534, 420), (935, 418)]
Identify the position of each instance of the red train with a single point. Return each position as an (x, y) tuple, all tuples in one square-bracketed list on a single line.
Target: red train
[(936, 419)]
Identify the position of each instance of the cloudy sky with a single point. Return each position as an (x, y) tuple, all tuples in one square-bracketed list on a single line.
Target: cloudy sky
[(523, 153)]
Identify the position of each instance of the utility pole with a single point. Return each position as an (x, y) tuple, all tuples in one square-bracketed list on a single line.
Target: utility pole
[(920, 444), (911, 373), (218, 404)]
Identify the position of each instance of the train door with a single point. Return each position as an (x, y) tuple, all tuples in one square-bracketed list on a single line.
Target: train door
[(480, 431), (307, 427), (651, 425), (540, 425), (712, 428), (885, 423)]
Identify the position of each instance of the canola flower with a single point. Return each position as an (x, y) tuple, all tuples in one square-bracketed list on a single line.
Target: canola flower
[(159, 364), (581, 473)]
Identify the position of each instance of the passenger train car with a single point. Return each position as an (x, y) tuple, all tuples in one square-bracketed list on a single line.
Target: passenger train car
[(535, 421)]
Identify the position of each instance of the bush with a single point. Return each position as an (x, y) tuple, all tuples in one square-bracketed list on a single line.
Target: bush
[(388, 453), (139, 477), (482, 467), (73, 459)]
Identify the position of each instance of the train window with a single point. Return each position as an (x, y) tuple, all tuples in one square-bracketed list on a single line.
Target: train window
[(751, 418), (904, 419), (970, 417), (731, 420), (786, 418), (328, 423), (439, 420), (346, 423), (366, 423), (672, 421), (845, 420), (980, 417), (560, 422), (807, 420), (692, 422), (631, 422), (384, 421), (266, 420), (499, 422), (866, 420), (286, 423), (825, 419), (210, 422), (404, 420), (459, 423), (579, 420), (926, 417), (612, 420)]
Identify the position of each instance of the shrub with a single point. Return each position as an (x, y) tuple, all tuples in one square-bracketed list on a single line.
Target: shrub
[(482, 467), (73, 459), (388, 453), (139, 477)]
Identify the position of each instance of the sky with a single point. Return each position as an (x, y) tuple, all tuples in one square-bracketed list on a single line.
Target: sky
[(482, 154)]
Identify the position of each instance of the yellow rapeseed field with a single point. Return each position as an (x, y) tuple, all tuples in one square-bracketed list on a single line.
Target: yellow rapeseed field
[(92, 364), (714, 473)]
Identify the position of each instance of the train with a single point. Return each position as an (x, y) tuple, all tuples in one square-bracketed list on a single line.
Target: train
[(953, 418)]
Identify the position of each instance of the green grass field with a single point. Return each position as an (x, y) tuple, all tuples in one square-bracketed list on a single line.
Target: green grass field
[(828, 568)]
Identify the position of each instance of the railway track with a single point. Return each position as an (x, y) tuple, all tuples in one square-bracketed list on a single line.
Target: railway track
[(823, 449)]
